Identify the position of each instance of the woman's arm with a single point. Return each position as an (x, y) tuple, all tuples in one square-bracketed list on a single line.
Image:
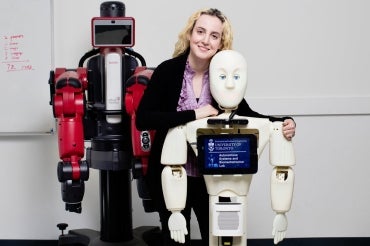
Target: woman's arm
[(288, 122)]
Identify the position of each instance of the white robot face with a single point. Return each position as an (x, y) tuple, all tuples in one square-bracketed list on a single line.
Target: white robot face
[(228, 78)]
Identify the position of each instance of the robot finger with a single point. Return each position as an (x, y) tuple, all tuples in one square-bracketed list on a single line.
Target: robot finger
[(173, 235), (182, 237)]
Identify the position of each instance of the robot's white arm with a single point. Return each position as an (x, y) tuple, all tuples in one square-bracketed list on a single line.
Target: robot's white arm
[(174, 181), (282, 179)]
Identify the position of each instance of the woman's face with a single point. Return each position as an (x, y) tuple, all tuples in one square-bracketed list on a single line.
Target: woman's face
[(205, 39)]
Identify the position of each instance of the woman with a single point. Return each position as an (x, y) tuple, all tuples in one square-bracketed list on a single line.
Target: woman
[(179, 93)]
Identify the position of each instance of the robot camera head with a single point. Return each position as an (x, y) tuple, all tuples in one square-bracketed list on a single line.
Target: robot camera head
[(112, 28), (113, 32), (228, 78)]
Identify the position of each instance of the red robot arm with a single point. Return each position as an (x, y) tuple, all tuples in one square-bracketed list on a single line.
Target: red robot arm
[(68, 107), (141, 140)]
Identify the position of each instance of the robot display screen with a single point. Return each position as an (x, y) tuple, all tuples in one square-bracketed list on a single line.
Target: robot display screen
[(117, 32), (227, 153)]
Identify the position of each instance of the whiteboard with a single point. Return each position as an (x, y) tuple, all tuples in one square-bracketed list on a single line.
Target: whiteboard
[(25, 62)]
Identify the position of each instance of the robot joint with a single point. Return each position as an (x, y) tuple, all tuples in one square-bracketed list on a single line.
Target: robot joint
[(66, 171)]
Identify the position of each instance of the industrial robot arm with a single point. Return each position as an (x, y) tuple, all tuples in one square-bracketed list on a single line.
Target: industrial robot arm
[(68, 107), (174, 180), (282, 179), (141, 139)]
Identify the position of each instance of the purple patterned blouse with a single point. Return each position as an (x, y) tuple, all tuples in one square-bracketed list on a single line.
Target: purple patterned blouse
[(188, 101)]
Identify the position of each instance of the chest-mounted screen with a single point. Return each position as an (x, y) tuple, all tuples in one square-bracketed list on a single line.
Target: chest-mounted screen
[(227, 153)]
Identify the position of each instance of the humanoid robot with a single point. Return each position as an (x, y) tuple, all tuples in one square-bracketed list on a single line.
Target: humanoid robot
[(228, 147), (102, 116)]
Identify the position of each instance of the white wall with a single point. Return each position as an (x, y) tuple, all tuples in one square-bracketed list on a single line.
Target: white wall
[(306, 58)]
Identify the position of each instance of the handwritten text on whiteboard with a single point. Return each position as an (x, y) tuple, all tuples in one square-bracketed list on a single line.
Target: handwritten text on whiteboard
[(13, 58)]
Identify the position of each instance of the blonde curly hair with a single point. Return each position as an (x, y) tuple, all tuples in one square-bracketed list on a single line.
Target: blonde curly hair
[(183, 43)]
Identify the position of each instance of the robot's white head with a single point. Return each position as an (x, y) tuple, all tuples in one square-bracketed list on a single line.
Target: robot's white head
[(228, 78)]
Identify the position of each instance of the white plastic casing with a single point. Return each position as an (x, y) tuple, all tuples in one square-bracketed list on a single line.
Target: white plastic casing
[(282, 186), (174, 179), (281, 150), (227, 219), (174, 150), (113, 85), (174, 183)]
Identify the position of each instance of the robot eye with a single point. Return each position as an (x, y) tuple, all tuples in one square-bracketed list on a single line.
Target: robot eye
[(222, 76), (236, 76)]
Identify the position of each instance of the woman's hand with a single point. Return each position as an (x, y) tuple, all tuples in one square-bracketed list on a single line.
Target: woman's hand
[(205, 111), (289, 129)]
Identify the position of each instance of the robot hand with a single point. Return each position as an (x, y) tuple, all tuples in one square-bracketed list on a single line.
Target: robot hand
[(177, 227), (279, 227)]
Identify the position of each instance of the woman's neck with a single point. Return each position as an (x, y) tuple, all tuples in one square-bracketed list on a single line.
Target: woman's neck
[(199, 66)]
